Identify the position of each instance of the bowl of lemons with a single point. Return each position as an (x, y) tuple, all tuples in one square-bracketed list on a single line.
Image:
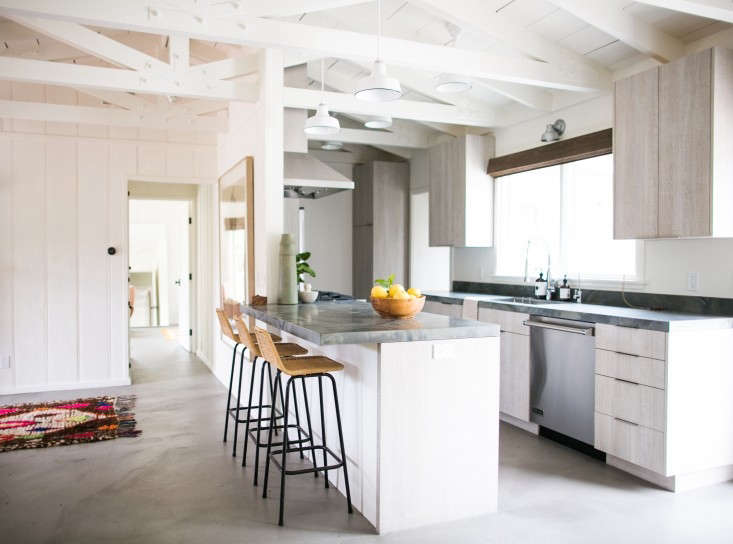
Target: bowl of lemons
[(390, 300)]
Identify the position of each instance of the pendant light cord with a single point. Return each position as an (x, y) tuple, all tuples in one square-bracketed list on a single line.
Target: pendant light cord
[(323, 81), (379, 29)]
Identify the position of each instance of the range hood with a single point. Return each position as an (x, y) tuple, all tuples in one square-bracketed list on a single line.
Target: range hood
[(307, 177)]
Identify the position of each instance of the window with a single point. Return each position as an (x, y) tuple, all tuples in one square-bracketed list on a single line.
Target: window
[(566, 212)]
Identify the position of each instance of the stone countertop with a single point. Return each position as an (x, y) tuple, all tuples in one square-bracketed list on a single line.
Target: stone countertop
[(596, 313), (356, 322)]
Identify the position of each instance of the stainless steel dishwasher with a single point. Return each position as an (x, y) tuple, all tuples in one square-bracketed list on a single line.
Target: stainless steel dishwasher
[(562, 380)]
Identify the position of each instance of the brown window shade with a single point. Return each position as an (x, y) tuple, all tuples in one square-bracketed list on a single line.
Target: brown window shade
[(572, 149)]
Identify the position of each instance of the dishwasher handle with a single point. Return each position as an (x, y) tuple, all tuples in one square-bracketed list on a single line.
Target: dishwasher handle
[(555, 327)]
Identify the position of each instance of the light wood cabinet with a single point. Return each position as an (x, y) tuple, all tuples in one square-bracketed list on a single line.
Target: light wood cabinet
[(636, 155), (442, 308), (673, 131), (381, 223), (461, 192)]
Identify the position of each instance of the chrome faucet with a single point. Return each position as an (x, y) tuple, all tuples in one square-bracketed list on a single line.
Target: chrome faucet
[(578, 295), (550, 284)]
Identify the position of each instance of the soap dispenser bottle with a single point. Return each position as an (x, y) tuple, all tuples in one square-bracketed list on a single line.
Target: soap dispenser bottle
[(540, 287), (564, 293)]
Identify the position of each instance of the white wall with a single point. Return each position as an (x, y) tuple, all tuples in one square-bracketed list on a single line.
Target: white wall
[(63, 201), (666, 262)]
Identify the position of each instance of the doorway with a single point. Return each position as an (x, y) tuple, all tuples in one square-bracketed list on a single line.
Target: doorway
[(160, 267)]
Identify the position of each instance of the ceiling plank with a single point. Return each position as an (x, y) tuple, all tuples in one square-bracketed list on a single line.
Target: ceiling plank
[(285, 8), (94, 43), (139, 16), (609, 17), (114, 79), (718, 10), (400, 109), (479, 16), (35, 111), (123, 99)]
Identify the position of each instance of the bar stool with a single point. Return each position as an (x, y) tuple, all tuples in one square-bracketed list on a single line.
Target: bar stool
[(226, 329), (301, 368), (284, 350)]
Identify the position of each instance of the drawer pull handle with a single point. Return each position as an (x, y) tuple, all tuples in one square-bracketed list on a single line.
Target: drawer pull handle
[(626, 421), (626, 381), (628, 354)]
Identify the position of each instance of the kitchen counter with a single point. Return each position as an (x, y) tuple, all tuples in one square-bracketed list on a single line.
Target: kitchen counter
[(402, 380), (356, 322), (596, 313)]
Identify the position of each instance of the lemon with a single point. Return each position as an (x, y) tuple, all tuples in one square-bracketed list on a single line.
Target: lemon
[(379, 292), (394, 289), (414, 291), (401, 295)]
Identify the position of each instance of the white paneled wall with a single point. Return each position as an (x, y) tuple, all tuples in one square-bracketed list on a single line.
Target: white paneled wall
[(63, 202)]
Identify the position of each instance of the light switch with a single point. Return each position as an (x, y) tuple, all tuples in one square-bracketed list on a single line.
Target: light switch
[(693, 281), (443, 351)]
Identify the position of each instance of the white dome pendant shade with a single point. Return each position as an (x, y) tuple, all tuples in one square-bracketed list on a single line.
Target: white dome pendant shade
[(322, 122), (378, 86), (378, 121)]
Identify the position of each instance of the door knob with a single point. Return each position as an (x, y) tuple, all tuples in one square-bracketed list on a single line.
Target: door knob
[(111, 251), (178, 282)]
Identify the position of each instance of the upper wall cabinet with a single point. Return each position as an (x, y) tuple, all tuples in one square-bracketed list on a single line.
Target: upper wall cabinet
[(461, 193), (673, 130)]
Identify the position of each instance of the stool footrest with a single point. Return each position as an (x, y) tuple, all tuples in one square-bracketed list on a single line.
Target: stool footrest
[(253, 436), (275, 454), (233, 413)]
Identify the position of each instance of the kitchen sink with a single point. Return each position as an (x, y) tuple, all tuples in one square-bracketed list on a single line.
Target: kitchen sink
[(528, 300)]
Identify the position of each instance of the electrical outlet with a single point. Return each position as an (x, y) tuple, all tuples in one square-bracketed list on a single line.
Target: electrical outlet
[(693, 281), (5, 361)]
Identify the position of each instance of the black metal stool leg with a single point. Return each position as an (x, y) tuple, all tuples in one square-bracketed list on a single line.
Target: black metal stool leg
[(229, 393), (249, 412), (341, 442), (297, 419), (239, 404), (323, 428), (269, 442), (273, 392), (310, 427), (285, 448), (265, 365)]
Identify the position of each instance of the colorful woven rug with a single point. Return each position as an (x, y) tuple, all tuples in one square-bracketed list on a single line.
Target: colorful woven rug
[(66, 422)]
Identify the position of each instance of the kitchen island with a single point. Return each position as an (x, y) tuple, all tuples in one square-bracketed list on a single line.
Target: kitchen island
[(419, 406)]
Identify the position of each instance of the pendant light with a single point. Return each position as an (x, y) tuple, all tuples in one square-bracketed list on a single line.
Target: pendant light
[(451, 84), (378, 86), (322, 122), (378, 121)]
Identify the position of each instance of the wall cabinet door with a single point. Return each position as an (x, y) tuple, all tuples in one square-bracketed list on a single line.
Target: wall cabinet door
[(636, 156), (685, 146), (514, 375), (442, 169)]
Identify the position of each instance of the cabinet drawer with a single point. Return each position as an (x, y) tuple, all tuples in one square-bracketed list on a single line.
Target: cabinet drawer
[(632, 341), (508, 321), (632, 368), (636, 444), (441, 308), (631, 402)]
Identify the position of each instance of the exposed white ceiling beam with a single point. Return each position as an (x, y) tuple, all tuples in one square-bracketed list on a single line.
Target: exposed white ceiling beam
[(179, 54), (227, 68), (719, 10), (284, 8), (123, 99), (400, 109), (137, 15), (375, 138), (94, 43), (35, 111), (114, 79), (479, 16), (609, 17)]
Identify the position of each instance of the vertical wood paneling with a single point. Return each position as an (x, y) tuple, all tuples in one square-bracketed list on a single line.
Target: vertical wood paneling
[(64, 96), (122, 163), (91, 131), (29, 262), (7, 368), (151, 159), (28, 92), (61, 253), (94, 311), (179, 161)]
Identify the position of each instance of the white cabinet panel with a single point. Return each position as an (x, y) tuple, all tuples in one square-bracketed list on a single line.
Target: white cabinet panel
[(7, 375), (507, 321), (514, 375)]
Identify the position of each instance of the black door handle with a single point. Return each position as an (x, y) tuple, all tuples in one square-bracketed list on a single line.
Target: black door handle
[(178, 282), (111, 251)]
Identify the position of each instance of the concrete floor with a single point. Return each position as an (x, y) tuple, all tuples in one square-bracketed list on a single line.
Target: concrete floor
[(178, 483)]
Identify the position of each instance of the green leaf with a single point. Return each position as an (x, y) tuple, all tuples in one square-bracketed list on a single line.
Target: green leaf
[(303, 256)]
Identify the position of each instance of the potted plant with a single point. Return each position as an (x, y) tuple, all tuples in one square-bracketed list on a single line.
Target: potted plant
[(302, 267)]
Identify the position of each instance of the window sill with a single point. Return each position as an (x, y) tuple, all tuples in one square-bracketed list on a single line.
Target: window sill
[(599, 284)]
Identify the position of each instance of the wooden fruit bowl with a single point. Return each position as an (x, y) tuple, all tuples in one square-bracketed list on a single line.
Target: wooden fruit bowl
[(391, 308)]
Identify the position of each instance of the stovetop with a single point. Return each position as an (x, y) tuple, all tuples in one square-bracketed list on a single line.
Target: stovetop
[(325, 296)]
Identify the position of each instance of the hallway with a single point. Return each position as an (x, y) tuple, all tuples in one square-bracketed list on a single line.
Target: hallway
[(178, 483)]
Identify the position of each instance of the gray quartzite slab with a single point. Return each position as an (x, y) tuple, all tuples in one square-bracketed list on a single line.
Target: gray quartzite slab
[(356, 322), (595, 313)]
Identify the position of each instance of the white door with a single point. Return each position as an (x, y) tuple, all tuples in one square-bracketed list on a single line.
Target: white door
[(184, 285)]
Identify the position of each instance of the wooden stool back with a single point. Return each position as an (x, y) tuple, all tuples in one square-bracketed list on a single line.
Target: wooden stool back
[(226, 326), (268, 349), (246, 338)]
